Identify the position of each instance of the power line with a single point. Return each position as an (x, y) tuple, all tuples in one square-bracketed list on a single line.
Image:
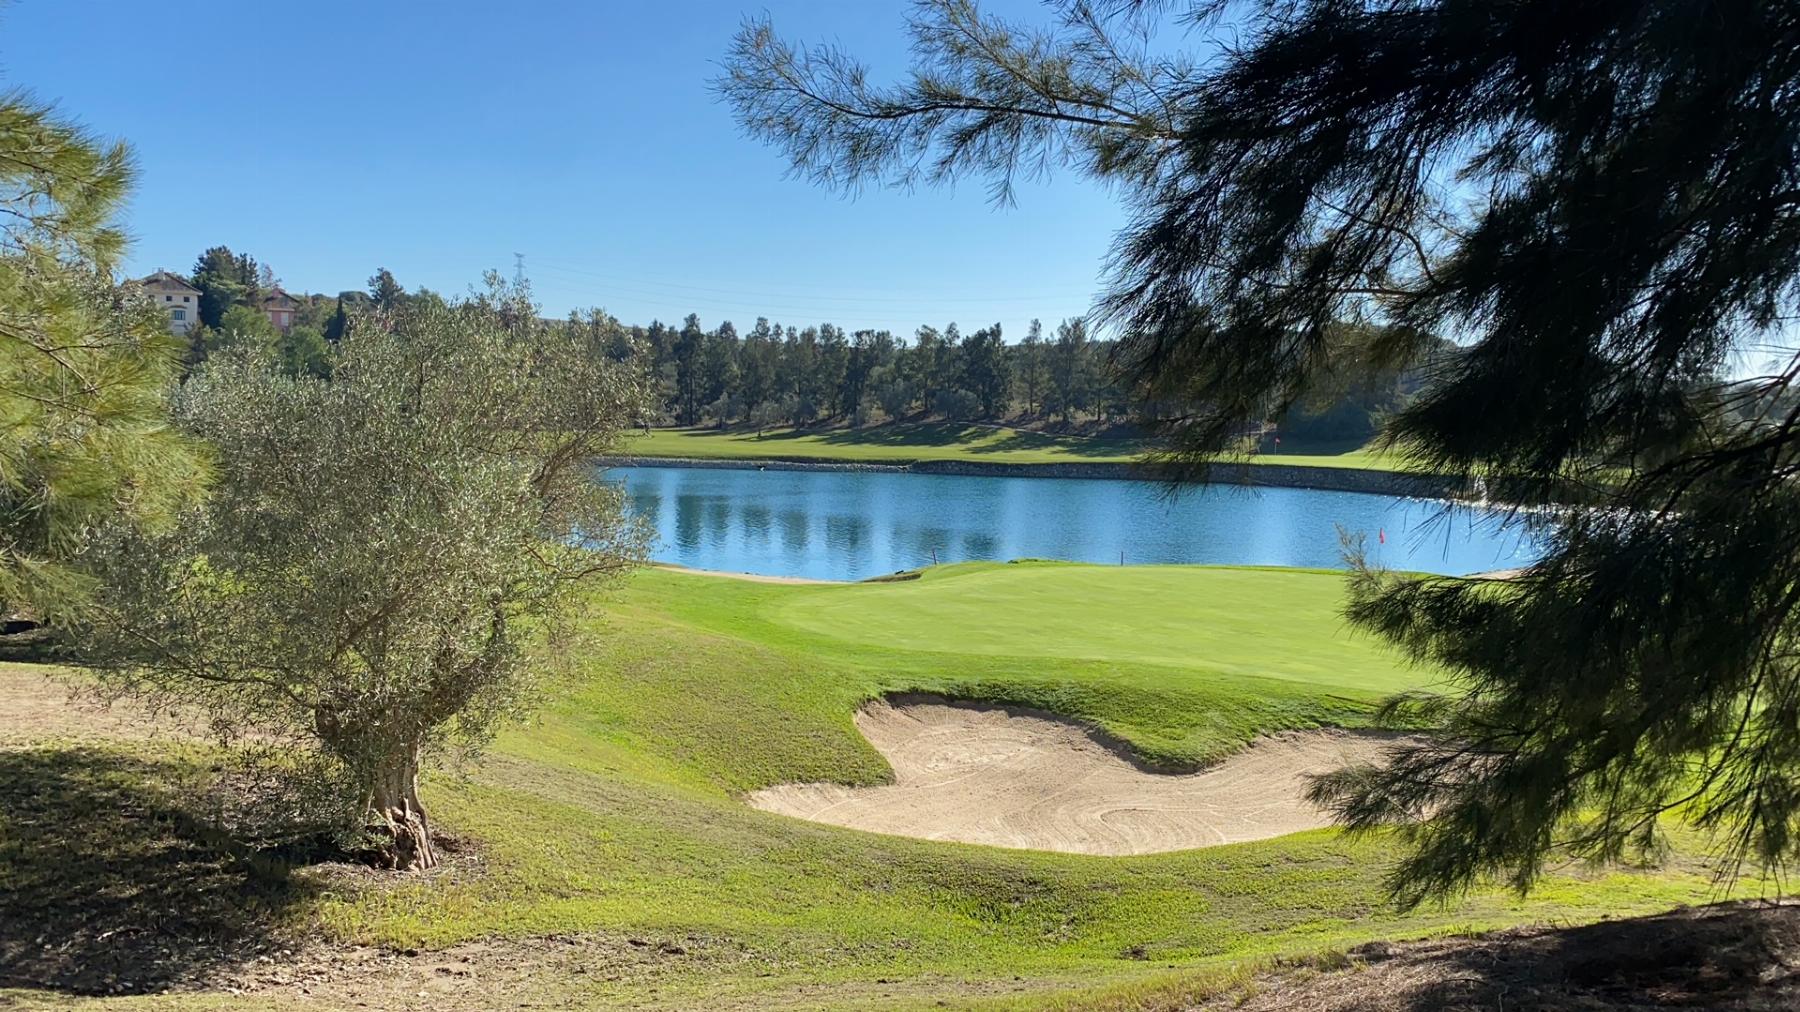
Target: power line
[(640, 283), (846, 318), (853, 318)]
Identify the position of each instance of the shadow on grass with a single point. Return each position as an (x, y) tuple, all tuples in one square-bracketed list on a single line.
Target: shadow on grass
[(1074, 446), (969, 435), (111, 883), (907, 434), (1734, 955), (1295, 446), (939, 435)]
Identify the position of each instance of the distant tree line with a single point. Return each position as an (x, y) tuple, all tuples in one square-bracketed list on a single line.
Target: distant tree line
[(775, 375)]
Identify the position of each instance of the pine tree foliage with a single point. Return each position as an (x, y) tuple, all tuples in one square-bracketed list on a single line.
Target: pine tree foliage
[(84, 367), (987, 97), (226, 281), (1599, 201), (384, 290)]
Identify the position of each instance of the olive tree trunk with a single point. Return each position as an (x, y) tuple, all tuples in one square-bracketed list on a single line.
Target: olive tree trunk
[(397, 817)]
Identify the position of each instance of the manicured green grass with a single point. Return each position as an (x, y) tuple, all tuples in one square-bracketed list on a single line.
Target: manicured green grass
[(1275, 623), (906, 443), (1184, 663), (618, 812)]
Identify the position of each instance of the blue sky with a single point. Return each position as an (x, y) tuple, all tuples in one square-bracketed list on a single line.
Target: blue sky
[(328, 138)]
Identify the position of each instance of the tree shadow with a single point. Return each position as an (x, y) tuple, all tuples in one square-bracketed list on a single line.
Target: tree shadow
[(907, 434), (1074, 446), (1300, 446), (111, 882), (938, 434), (1735, 955)]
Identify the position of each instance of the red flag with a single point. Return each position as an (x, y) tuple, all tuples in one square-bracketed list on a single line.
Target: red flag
[(1382, 534)]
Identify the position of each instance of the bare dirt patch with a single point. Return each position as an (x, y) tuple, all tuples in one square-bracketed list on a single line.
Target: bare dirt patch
[(1498, 574), (556, 971), (41, 702), (1015, 778)]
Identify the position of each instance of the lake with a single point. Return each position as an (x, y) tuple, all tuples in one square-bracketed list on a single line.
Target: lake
[(851, 525)]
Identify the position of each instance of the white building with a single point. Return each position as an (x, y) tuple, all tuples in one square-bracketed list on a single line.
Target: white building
[(178, 299)]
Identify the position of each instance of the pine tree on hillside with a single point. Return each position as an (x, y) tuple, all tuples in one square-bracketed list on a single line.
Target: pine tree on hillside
[(1031, 371), (340, 323), (384, 290), (984, 370), (690, 369), (225, 279)]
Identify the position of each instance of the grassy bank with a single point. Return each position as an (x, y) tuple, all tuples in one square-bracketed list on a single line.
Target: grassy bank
[(616, 818), (908, 443)]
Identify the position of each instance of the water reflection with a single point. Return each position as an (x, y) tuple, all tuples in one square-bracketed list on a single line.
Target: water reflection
[(687, 521), (852, 525), (718, 521), (846, 533), (756, 523), (793, 533)]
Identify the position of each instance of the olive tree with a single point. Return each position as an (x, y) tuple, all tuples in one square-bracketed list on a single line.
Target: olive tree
[(382, 546)]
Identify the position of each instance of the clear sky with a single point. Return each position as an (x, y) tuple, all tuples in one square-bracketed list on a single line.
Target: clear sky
[(330, 137)]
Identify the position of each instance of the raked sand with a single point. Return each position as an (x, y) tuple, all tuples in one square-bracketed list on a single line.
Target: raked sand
[(1014, 778)]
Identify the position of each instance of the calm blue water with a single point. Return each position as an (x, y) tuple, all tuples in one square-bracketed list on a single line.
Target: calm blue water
[(842, 525)]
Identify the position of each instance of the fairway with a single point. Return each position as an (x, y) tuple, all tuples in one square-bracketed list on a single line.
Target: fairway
[(912, 442), (1263, 622)]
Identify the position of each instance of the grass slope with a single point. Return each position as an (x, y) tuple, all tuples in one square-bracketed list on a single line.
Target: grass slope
[(906, 443), (617, 813)]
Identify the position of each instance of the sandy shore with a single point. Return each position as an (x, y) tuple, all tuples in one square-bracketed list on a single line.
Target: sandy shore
[(747, 577)]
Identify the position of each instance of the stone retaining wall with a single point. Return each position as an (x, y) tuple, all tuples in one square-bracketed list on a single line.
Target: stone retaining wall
[(1332, 479)]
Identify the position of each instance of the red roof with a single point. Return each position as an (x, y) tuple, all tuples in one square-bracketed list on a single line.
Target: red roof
[(166, 278)]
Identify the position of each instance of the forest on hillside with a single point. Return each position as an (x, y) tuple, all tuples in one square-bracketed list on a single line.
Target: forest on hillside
[(772, 374)]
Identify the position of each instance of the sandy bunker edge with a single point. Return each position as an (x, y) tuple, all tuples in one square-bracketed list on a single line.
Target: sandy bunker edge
[(1009, 776)]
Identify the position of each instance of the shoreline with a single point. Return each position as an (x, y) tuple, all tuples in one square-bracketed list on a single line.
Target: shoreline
[(1325, 479), (671, 567)]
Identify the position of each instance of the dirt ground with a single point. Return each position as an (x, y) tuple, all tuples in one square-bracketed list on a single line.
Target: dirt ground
[(37, 706), (1015, 778), (1735, 956)]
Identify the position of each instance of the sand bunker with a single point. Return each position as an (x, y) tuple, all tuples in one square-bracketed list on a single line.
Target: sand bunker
[(1015, 778)]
